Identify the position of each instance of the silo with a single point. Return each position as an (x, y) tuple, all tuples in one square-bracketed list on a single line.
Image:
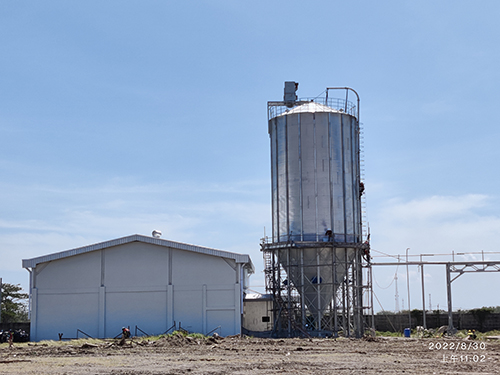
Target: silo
[(317, 237)]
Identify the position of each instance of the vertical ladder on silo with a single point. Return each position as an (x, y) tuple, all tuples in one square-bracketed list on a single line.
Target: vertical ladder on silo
[(367, 298), (268, 272), (364, 223)]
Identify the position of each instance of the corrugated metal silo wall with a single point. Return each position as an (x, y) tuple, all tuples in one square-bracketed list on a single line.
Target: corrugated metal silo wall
[(315, 176)]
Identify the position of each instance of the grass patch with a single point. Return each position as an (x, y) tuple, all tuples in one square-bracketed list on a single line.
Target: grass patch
[(183, 334), (388, 334), (94, 341), (462, 334)]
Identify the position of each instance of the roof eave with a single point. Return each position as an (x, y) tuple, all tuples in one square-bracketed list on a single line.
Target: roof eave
[(239, 258)]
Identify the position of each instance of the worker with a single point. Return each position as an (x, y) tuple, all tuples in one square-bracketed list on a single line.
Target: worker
[(361, 188), (125, 333), (471, 334), (366, 249), (366, 254), (11, 338)]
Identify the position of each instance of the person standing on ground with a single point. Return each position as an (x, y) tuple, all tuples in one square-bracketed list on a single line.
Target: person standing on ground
[(11, 338)]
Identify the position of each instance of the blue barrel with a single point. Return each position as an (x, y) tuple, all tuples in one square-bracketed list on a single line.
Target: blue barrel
[(407, 332)]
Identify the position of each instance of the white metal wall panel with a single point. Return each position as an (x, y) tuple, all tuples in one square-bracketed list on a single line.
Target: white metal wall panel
[(131, 284), (188, 307), (144, 309), (197, 269), (61, 273), (223, 318), (136, 264), (220, 297), (65, 311)]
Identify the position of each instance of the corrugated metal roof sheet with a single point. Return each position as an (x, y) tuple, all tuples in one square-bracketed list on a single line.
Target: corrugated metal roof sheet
[(239, 258)]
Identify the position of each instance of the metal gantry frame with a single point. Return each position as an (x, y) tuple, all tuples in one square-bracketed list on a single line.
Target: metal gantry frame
[(352, 301), (459, 268)]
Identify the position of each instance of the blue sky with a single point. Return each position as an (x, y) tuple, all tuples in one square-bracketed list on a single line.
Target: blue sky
[(120, 117)]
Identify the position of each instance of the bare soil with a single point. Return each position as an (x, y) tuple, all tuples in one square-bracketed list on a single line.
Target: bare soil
[(235, 355)]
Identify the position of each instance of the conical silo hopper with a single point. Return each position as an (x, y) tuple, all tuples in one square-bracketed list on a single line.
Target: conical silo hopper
[(316, 273)]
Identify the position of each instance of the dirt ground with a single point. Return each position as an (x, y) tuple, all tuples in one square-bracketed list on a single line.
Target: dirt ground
[(235, 355)]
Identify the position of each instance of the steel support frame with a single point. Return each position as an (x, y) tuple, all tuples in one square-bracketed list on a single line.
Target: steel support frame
[(460, 268), (350, 303), (451, 267)]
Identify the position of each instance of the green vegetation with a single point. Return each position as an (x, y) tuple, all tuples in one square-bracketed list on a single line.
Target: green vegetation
[(384, 312), (416, 313), (93, 341), (462, 334), (388, 334), (13, 304), (184, 334)]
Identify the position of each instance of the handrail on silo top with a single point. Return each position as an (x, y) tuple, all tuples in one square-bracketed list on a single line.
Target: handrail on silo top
[(347, 94)]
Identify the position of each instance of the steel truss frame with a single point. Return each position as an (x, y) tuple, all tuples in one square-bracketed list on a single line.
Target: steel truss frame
[(451, 267), (352, 300)]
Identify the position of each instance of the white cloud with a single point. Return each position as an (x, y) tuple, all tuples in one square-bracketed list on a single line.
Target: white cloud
[(229, 217), (434, 208), (437, 225)]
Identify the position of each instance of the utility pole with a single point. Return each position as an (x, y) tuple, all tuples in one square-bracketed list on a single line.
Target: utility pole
[(424, 322), (397, 294), (408, 288), (448, 290)]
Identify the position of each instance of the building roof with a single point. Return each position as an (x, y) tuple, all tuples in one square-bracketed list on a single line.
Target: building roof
[(239, 258)]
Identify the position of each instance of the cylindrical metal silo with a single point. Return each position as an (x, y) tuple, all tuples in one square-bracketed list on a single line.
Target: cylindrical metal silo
[(315, 174), (316, 190)]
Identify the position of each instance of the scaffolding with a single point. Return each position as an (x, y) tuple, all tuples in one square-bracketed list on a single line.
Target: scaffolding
[(296, 310)]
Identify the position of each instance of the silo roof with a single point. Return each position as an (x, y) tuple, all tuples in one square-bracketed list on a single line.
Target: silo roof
[(310, 107)]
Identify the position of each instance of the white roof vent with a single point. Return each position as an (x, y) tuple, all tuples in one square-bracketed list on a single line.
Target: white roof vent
[(156, 233)]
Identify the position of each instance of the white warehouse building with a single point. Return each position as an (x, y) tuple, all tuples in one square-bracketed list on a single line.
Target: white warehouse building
[(136, 281)]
